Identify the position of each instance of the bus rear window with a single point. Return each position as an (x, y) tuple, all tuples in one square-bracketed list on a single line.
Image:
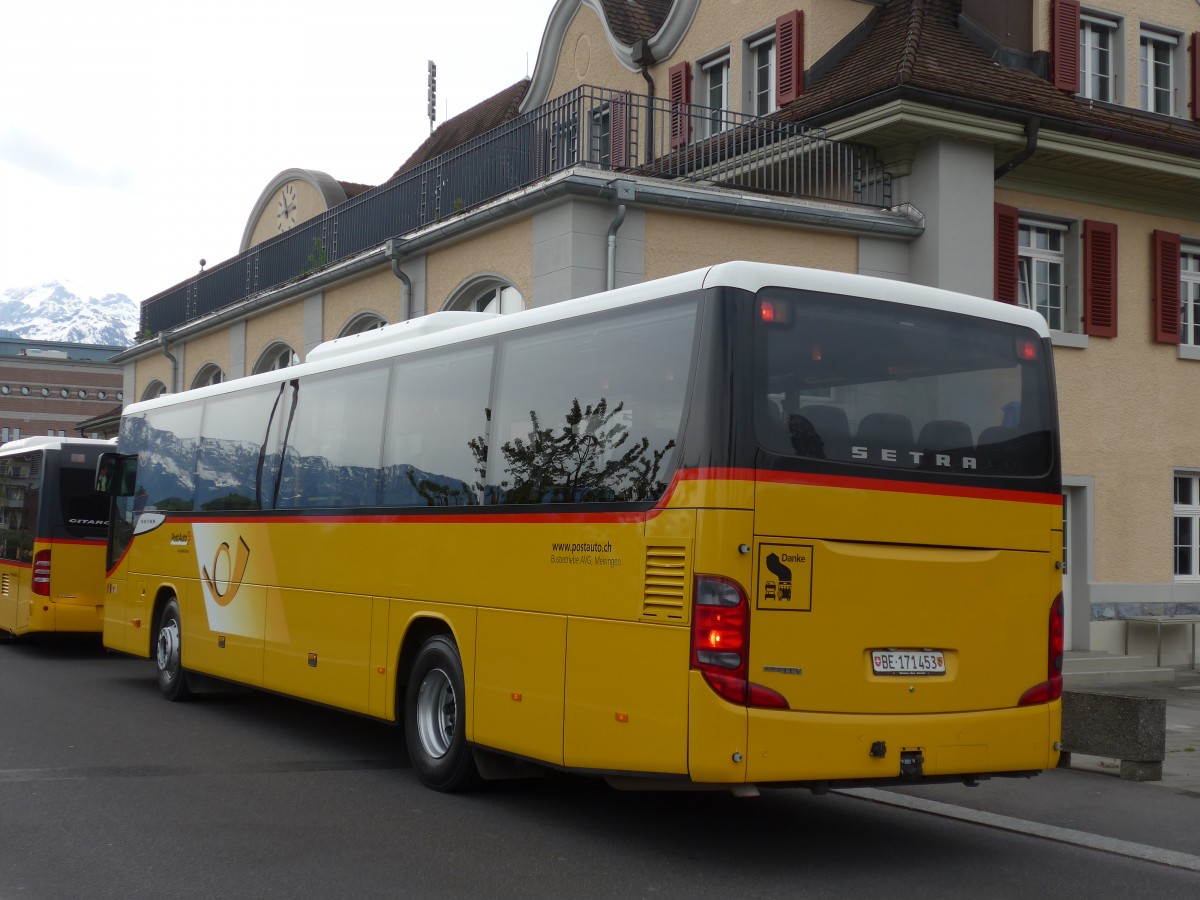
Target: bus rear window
[(873, 383), (81, 507)]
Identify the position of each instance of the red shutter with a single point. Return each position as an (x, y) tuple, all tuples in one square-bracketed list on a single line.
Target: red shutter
[(1007, 220), (1100, 279), (1166, 287), (1064, 45), (789, 57), (679, 92), (1195, 42), (619, 131)]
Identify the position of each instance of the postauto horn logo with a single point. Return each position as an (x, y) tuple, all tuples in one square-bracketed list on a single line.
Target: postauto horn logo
[(225, 589)]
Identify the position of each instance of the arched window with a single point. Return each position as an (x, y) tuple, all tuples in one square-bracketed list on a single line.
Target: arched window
[(154, 389), (277, 356), (488, 294), (209, 374), (363, 322)]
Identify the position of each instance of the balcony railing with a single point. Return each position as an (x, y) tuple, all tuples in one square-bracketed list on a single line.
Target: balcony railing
[(594, 127)]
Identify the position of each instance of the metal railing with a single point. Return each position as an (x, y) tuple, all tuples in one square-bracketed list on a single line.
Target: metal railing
[(603, 129)]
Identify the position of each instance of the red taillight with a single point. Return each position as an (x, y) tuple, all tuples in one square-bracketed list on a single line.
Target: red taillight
[(1050, 689), (41, 573), (721, 643)]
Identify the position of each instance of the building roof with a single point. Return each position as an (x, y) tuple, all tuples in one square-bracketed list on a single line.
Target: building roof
[(916, 49), (484, 116), (631, 20)]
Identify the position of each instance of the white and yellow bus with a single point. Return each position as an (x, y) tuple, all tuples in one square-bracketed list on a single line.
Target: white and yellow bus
[(748, 525), (53, 525)]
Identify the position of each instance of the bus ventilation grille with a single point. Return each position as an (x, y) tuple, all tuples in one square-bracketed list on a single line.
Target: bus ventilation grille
[(665, 597), (5, 585)]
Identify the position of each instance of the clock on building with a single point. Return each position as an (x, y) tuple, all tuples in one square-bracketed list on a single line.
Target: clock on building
[(286, 213)]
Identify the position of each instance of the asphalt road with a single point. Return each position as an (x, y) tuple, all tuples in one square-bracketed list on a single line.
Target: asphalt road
[(106, 790)]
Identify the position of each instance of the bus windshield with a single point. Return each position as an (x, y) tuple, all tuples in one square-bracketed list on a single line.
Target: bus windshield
[(888, 385)]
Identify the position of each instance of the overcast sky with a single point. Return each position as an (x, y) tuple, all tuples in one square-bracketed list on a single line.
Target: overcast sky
[(136, 136)]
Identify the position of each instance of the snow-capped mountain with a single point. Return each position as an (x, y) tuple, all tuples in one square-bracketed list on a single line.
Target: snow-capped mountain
[(63, 311)]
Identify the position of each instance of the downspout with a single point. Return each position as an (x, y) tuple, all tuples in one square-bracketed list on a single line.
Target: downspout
[(625, 193), (393, 252), (163, 344), (643, 57), (1031, 137)]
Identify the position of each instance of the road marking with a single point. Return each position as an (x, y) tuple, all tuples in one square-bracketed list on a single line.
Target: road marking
[(1173, 858)]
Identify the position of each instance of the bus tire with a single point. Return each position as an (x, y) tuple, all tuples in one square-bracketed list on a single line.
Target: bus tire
[(172, 680), (435, 718)]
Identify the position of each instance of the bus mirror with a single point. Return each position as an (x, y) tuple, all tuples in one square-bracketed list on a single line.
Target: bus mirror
[(114, 474)]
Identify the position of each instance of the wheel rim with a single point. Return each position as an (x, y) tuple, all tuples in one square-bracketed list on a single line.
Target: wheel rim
[(437, 713), (168, 649)]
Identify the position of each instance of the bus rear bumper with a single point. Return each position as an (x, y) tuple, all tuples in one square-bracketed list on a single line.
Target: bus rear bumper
[(789, 746), (67, 617)]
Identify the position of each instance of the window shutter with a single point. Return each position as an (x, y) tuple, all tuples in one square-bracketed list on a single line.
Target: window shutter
[(789, 57), (1064, 45), (1166, 287), (1195, 42), (1100, 279), (1007, 220), (679, 92), (619, 128)]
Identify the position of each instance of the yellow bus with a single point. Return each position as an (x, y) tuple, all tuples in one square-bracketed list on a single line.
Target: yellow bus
[(748, 525), (53, 527)]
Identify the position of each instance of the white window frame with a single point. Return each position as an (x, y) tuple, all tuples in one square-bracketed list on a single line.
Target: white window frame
[(1064, 262), (1175, 64), (716, 119), (1189, 512), (1189, 294), (753, 66), (1103, 87)]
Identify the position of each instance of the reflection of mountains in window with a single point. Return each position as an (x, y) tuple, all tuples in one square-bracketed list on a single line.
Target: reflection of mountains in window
[(591, 458)]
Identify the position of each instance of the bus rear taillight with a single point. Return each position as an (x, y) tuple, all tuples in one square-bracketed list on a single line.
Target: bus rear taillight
[(1050, 689), (721, 643), (41, 573)]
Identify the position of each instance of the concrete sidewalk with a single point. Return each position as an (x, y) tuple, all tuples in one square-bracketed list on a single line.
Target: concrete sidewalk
[(1181, 767)]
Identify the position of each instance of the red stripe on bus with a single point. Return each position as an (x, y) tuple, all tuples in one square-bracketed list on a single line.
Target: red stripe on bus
[(858, 483)]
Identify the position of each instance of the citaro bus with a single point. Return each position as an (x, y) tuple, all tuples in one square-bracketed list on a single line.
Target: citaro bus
[(53, 527), (745, 526)]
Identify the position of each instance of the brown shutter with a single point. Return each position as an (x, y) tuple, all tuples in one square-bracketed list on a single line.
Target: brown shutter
[(1064, 45), (679, 92), (619, 131), (1195, 49), (789, 57), (1100, 279), (1007, 221), (1166, 287)]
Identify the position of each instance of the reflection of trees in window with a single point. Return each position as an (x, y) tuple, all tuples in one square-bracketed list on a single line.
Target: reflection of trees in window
[(591, 458)]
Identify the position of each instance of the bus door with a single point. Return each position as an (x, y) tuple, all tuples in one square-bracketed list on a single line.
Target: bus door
[(116, 475), (20, 494)]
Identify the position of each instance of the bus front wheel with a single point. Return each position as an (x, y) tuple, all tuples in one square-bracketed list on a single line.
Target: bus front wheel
[(172, 681), (435, 718)]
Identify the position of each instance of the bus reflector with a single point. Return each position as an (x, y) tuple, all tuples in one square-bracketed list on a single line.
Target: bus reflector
[(1050, 689), (41, 573), (721, 643)]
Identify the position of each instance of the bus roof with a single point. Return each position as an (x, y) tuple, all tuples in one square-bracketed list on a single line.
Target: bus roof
[(46, 442), (449, 327)]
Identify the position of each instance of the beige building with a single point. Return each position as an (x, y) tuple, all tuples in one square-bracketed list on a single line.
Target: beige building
[(1043, 152)]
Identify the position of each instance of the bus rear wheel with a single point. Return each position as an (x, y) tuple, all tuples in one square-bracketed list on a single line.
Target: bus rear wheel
[(172, 680), (435, 718)]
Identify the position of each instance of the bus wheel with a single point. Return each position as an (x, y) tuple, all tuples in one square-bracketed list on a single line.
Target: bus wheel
[(172, 681), (435, 718)]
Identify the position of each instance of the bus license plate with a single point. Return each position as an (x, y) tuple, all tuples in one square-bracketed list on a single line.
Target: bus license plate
[(908, 662)]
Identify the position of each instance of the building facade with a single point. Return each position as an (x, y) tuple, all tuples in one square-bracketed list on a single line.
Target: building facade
[(1043, 152), (51, 388)]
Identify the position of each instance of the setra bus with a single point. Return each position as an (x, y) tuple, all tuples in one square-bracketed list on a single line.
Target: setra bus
[(748, 525), (53, 527)]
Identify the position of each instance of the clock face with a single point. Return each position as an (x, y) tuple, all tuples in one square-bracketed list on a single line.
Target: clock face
[(285, 212)]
